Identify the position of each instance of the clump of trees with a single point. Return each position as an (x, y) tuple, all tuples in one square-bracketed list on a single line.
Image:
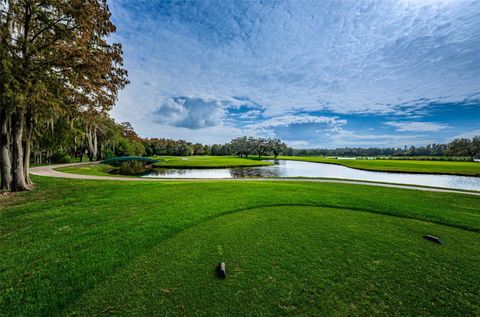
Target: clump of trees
[(161, 146), (59, 77), (465, 147), (60, 141), (242, 146), (245, 146)]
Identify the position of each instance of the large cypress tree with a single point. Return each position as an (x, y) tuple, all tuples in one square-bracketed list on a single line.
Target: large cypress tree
[(55, 55)]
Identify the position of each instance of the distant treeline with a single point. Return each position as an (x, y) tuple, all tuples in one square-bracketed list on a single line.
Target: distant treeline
[(242, 146), (459, 149), (427, 150), (65, 141)]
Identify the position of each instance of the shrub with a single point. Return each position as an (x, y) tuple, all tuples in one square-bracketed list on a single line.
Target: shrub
[(108, 154), (132, 167), (59, 157)]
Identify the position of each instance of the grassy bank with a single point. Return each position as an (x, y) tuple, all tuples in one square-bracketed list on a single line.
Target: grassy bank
[(104, 247), (206, 162), (405, 166), (89, 169)]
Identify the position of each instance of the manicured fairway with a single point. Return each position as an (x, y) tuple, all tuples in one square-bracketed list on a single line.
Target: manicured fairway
[(103, 247), (90, 169), (310, 261), (206, 161), (406, 166)]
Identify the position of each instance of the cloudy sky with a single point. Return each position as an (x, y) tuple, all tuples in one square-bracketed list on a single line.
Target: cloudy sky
[(313, 73)]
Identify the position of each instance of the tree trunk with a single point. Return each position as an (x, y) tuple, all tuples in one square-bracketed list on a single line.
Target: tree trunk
[(5, 154), (92, 142), (18, 177), (28, 144), (5, 161), (95, 144)]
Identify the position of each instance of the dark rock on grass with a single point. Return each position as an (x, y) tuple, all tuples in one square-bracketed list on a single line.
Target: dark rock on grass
[(433, 239), (221, 270)]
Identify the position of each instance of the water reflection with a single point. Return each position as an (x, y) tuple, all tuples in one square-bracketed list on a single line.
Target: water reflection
[(242, 172), (307, 169)]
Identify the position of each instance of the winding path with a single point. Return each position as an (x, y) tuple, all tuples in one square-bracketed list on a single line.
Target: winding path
[(49, 171)]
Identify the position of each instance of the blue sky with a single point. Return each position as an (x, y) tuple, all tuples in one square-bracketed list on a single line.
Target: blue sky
[(313, 73)]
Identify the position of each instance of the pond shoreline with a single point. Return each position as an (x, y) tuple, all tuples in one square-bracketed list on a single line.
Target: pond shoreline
[(49, 171), (302, 169), (385, 170), (52, 172)]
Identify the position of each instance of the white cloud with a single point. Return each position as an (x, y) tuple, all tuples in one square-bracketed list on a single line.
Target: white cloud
[(288, 120), (417, 126), (208, 135), (467, 135), (347, 57), (192, 113), (350, 138)]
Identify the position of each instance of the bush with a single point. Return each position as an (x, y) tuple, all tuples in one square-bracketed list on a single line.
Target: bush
[(59, 157), (108, 154)]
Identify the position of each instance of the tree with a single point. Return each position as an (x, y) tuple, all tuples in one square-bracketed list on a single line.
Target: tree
[(198, 149), (476, 146), (465, 147), (276, 146), (260, 146), (55, 56), (243, 145)]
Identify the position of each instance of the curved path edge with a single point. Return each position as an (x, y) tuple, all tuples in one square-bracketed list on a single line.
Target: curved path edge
[(49, 171)]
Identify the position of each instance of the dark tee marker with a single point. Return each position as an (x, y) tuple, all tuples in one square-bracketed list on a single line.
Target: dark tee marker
[(221, 270), (433, 239)]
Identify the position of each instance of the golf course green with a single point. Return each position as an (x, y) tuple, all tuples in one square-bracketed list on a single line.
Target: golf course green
[(94, 247)]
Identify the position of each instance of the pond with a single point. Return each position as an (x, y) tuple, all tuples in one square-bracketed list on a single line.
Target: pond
[(307, 169)]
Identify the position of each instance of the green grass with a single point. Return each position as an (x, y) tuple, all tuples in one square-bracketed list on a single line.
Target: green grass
[(169, 162), (405, 166), (89, 169), (206, 162), (138, 248), (309, 261)]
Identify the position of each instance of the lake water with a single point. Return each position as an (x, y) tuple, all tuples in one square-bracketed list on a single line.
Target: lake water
[(307, 169)]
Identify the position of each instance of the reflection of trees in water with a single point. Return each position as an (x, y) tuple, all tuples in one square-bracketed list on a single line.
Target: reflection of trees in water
[(238, 172), (242, 172), (161, 172)]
